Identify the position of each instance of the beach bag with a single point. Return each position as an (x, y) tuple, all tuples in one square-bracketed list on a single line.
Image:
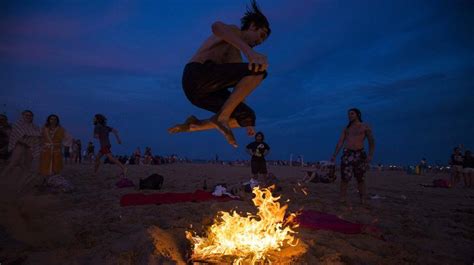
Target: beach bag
[(152, 182)]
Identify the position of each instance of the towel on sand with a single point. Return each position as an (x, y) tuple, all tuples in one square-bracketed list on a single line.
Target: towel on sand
[(169, 198), (438, 183), (323, 221)]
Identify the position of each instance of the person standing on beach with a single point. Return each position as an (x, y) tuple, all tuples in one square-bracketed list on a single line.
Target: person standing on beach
[(147, 156), (101, 132), (457, 166), (67, 154), (78, 158), (354, 161), (468, 168), (5, 130), (258, 164), (54, 137), (138, 156), (218, 66), (25, 142), (90, 151), (423, 166), (73, 151)]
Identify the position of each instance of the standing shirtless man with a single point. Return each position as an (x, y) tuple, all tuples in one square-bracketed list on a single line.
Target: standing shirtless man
[(218, 66), (354, 161)]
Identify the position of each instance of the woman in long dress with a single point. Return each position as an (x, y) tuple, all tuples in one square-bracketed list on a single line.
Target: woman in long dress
[(54, 137)]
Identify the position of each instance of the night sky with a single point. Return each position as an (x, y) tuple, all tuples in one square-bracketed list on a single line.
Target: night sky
[(408, 65)]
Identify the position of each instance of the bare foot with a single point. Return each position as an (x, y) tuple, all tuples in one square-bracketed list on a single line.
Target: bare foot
[(250, 131), (223, 127), (185, 127)]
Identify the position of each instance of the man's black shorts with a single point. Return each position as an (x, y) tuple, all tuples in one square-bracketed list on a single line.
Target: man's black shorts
[(207, 86)]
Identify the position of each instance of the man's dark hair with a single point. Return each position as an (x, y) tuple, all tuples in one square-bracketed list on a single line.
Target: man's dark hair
[(261, 134), (100, 119), (47, 124), (256, 16), (358, 113)]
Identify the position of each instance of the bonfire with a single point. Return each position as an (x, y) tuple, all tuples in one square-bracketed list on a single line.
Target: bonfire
[(247, 239)]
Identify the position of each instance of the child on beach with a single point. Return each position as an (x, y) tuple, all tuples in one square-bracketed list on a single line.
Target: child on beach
[(258, 150)]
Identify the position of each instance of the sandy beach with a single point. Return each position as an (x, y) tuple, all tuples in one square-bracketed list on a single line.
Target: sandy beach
[(88, 226)]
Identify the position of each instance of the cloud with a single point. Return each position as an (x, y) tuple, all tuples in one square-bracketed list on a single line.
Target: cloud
[(61, 21)]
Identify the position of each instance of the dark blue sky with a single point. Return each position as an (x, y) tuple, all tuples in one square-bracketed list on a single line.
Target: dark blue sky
[(408, 65)]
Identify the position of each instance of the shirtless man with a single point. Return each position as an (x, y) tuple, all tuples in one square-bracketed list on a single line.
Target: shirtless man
[(354, 161), (218, 66)]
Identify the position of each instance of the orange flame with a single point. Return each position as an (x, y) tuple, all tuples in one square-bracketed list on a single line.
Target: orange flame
[(248, 239)]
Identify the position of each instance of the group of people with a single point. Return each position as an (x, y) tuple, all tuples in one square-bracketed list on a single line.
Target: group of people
[(146, 159), (73, 153), (152, 160), (462, 165), (216, 67), (23, 141), (354, 161)]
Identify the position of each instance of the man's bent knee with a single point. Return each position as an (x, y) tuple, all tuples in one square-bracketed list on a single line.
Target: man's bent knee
[(256, 76)]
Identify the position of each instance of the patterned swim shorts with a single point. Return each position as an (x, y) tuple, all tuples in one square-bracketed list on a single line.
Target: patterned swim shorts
[(353, 163)]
